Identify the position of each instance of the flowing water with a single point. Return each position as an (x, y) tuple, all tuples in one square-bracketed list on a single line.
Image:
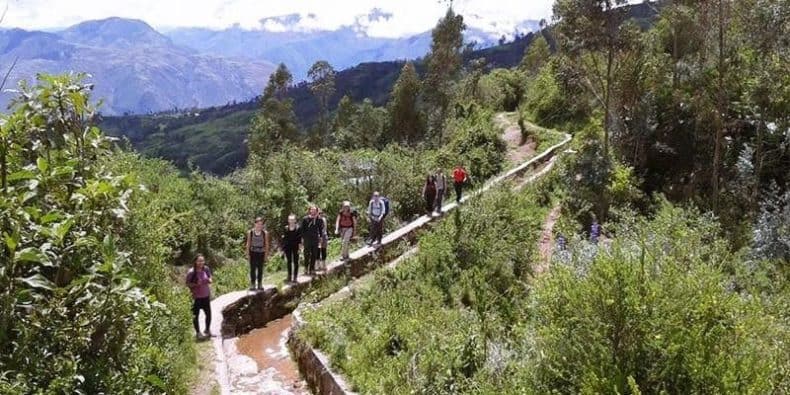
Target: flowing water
[(277, 373)]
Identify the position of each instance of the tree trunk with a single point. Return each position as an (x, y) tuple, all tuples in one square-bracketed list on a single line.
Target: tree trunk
[(758, 159), (607, 101), (720, 109)]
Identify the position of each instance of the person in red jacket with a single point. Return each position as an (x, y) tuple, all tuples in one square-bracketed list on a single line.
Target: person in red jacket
[(460, 177)]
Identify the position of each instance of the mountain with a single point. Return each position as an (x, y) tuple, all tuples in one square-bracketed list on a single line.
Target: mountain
[(213, 138), (134, 68), (342, 48)]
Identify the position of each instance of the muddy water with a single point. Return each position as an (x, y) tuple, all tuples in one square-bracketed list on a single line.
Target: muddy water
[(267, 347)]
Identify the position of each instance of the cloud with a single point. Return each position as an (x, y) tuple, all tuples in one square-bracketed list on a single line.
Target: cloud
[(389, 18)]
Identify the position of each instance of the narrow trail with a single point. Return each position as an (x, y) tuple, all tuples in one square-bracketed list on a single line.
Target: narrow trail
[(259, 362), (518, 151), (546, 242)]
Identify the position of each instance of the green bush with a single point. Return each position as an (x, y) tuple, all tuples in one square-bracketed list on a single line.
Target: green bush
[(429, 325), (474, 142), (653, 312), (76, 315)]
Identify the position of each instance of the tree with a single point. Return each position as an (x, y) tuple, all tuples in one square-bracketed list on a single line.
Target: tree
[(344, 114), (589, 34), (279, 82), (322, 84), (366, 128), (275, 123), (536, 56), (476, 70), (444, 65), (406, 120)]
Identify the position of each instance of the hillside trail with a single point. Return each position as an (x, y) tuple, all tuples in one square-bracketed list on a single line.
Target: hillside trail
[(259, 362), (518, 151), (546, 242)]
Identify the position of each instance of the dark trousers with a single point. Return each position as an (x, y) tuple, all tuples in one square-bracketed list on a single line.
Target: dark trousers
[(376, 230), (430, 201), (256, 267), (439, 199), (459, 188), (292, 260), (201, 304), (321, 253), (310, 256)]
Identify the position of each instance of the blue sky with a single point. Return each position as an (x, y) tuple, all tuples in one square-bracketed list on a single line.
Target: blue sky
[(394, 18)]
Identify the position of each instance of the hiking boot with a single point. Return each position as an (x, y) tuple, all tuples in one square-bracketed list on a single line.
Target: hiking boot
[(207, 333), (260, 287)]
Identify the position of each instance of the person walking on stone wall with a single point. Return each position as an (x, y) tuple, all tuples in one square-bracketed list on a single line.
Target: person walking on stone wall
[(441, 187), (377, 209), (291, 240), (323, 242), (312, 229), (460, 178), (429, 193), (346, 228), (257, 252), (198, 280)]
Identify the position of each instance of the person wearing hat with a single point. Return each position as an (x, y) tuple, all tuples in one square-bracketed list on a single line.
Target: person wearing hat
[(345, 227)]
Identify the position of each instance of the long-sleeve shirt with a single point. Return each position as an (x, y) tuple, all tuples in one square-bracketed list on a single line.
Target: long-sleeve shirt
[(441, 182), (291, 238), (312, 230)]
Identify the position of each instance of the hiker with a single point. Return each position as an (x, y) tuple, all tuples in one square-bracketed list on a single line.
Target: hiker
[(292, 238), (562, 243), (323, 243), (429, 193), (257, 251), (376, 212), (460, 177), (312, 229), (346, 228), (595, 231), (441, 187), (198, 280)]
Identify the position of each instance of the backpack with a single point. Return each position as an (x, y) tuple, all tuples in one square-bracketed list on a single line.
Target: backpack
[(386, 206)]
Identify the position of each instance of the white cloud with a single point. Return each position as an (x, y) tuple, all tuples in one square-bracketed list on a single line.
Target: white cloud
[(408, 16)]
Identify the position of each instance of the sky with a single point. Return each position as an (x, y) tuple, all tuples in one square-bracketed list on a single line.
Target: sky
[(383, 18)]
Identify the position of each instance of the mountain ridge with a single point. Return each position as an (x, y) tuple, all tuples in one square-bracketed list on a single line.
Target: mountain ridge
[(134, 68)]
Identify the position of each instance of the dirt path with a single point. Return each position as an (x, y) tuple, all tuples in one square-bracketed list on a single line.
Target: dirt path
[(546, 243), (517, 152)]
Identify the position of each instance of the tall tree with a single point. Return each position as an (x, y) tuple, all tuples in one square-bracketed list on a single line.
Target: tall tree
[(279, 82), (589, 34), (322, 84), (344, 114), (444, 65), (275, 123), (406, 120), (366, 128), (536, 56)]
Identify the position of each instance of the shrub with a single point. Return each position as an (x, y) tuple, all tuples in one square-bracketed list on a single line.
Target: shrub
[(73, 316), (618, 324)]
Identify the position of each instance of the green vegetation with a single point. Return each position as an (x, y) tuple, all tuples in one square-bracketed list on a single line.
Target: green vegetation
[(680, 150), (685, 167), (464, 316), (84, 308)]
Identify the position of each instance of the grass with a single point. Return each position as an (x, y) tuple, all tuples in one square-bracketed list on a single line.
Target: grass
[(422, 320)]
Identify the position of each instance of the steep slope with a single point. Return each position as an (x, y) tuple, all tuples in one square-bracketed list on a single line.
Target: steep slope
[(134, 68)]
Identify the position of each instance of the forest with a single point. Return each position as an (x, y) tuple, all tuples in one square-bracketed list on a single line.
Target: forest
[(680, 119)]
